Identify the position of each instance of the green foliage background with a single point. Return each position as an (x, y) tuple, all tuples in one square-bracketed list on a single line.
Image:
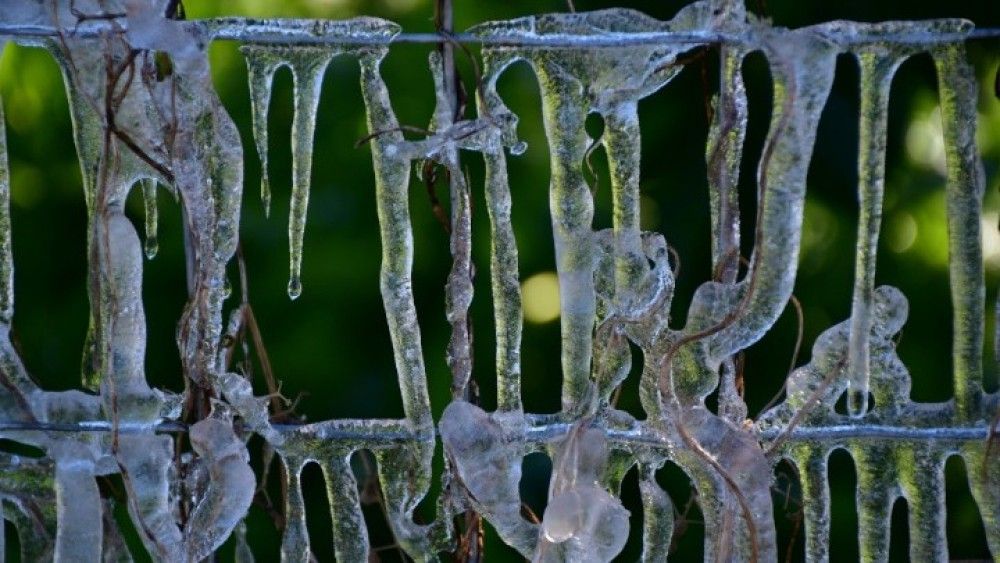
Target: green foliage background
[(331, 346)]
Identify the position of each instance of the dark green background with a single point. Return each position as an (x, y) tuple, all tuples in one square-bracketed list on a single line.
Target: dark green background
[(332, 346)]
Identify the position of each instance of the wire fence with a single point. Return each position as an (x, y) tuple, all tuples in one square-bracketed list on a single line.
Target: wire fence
[(616, 284)]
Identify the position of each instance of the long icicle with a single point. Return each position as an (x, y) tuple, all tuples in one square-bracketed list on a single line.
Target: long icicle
[(508, 316), (308, 73), (6, 251), (261, 67), (964, 193), (877, 70), (151, 245)]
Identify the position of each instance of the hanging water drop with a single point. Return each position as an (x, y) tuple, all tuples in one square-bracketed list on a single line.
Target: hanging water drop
[(294, 287), (227, 288)]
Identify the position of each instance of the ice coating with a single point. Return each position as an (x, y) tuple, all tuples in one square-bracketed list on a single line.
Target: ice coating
[(231, 487), (488, 465), (582, 521)]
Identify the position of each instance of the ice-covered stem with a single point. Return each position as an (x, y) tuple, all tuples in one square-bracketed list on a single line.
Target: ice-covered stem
[(27, 493), (508, 316), (802, 65), (145, 463), (747, 505), (724, 154), (458, 288), (878, 65), (582, 522), (964, 194)]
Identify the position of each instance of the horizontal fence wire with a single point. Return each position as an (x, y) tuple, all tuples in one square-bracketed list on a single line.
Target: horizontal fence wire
[(539, 432), (244, 30)]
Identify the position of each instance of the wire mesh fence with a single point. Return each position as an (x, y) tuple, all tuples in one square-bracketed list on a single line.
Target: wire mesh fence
[(146, 114)]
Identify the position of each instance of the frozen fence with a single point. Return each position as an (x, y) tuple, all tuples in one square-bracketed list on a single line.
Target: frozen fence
[(139, 121)]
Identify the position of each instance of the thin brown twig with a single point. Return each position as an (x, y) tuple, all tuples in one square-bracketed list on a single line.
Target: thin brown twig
[(795, 353), (379, 133), (806, 408)]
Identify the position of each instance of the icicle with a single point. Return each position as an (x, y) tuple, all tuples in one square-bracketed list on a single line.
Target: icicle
[(6, 251), (79, 535), (877, 70), (876, 479), (811, 463), (504, 278), (295, 540), (243, 553), (405, 472), (307, 65), (983, 473), (149, 203), (658, 517), (350, 534), (261, 66), (922, 485), (307, 70), (574, 83), (964, 192)]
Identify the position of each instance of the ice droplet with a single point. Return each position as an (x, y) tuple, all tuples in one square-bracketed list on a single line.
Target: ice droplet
[(294, 288)]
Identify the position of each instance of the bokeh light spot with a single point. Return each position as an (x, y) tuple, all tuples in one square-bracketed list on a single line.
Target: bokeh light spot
[(541, 297)]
